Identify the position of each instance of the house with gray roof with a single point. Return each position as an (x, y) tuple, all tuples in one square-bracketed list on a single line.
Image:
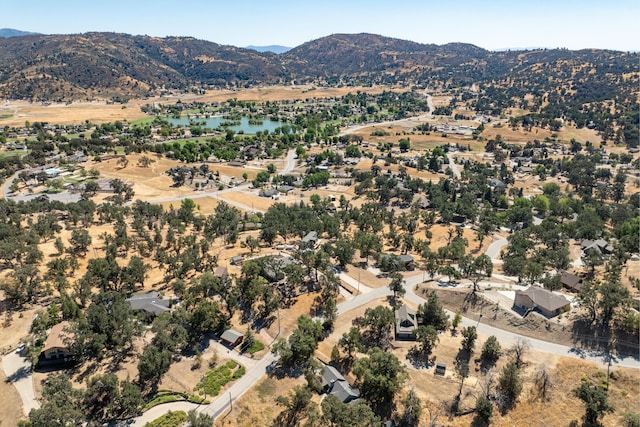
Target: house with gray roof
[(151, 303), (231, 337), (406, 323), (310, 240), (332, 382), (599, 245)]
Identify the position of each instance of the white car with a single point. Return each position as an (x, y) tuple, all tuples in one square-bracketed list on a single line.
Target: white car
[(20, 348)]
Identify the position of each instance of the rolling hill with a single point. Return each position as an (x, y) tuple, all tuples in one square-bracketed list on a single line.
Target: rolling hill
[(112, 65)]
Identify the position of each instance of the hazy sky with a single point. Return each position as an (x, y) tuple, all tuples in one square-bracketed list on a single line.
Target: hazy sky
[(491, 24)]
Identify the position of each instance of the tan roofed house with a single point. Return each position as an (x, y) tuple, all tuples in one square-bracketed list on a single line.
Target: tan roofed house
[(542, 300), (56, 347)]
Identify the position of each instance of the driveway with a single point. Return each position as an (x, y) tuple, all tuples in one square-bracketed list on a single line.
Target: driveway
[(494, 249), (18, 372)]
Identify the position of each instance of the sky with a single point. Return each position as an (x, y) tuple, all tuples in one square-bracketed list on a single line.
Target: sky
[(490, 24)]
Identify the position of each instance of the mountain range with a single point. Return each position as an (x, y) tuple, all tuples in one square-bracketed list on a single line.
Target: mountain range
[(10, 32), (275, 48), (108, 65)]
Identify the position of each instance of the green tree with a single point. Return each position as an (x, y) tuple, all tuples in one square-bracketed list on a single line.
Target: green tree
[(427, 337), (484, 409), (351, 341), (595, 400), (296, 406), (476, 269), (378, 322), (201, 419), (509, 384), (410, 416), (397, 285), (613, 295), (80, 241), (354, 414), (491, 350), (469, 336), (61, 404), (380, 376), (100, 396), (343, 250), (456, 321), (433, 313)]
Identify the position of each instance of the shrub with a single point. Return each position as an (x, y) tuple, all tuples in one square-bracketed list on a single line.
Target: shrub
[(170, 419)]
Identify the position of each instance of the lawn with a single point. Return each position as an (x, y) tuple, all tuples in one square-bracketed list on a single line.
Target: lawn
[(218, 377), (255, 347)]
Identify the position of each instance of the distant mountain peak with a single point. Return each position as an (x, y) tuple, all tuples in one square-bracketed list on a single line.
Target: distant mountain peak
[(10, 32), (275, 48)]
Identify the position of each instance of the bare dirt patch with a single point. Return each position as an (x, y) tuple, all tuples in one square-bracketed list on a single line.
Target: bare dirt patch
[(257, 407), (11, 403), (250, 201)]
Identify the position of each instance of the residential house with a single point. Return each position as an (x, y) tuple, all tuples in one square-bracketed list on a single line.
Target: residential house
[(221, 272), (541, 300), (406, 323), (151, 303), (270, 192), (56, 348), (310, 240), (231, 337), (599, 245), (332, 382), (408, 261)]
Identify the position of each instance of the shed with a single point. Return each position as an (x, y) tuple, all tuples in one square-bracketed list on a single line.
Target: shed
[(236, 260), (570, 281), (231, 337), (221, 272), (441, 369)]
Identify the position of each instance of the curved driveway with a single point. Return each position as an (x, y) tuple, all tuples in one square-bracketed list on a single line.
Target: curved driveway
[(18, 372)]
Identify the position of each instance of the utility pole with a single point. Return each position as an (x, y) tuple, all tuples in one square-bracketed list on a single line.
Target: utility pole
[(230, 403)]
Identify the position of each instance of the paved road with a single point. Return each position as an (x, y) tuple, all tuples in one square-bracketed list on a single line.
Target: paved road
[(494, 249), (453, 165), (18, 372)]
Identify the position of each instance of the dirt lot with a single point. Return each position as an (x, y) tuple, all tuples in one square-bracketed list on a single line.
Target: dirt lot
[(11, 403), (534, 325), (250, 200)]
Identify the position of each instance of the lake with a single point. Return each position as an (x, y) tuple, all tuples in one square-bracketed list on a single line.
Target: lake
[(244, 126)]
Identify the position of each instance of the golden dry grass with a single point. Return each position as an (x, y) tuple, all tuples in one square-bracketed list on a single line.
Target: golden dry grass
[(251, 201)]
